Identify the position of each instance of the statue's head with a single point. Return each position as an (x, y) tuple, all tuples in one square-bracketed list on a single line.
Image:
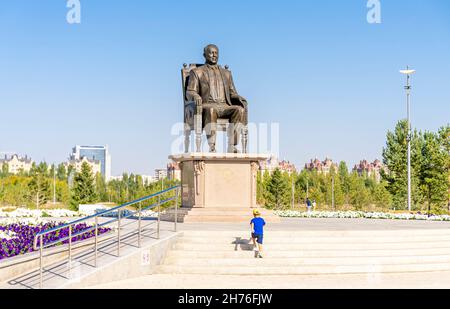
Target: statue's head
[(211, 54)]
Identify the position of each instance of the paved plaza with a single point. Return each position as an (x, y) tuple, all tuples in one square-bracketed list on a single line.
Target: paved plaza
[(438, 279)]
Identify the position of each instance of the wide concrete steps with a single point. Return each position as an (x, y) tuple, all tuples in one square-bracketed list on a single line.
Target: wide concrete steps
[(313, 246), (310, 252), (322, 233), (245, 239), (270, 261), (257, 269)]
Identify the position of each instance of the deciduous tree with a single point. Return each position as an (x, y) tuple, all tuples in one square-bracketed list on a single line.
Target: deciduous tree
[(39, 186)]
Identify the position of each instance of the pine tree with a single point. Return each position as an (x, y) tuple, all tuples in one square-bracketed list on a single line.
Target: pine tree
[(61, 172), (278, 191), (265, 183), (434, 172), (83, 188)]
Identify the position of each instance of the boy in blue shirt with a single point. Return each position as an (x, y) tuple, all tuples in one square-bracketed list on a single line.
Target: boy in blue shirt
[(257, 225)]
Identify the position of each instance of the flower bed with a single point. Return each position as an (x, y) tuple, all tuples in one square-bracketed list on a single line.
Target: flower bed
[(64, 213), (16, 237), (359, 214)]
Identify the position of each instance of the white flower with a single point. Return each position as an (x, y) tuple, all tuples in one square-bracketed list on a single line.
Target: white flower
[(27, 221), (61, 213), (34, 213), (358, 214), (8, 235)]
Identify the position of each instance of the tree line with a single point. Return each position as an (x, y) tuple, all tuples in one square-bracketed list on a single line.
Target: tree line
[(70, 188), (349, 190), (338, 190)]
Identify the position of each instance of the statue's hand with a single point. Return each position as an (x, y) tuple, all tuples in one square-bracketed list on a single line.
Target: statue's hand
[(198, 100), (243, 101)]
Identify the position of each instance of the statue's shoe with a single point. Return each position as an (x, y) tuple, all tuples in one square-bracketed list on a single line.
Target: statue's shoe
[(232, 149)]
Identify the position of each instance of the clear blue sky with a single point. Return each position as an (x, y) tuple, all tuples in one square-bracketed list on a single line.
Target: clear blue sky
[(317, 67)]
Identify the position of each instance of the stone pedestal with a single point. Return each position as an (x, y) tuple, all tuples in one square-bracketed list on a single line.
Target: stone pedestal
[(218, 180)]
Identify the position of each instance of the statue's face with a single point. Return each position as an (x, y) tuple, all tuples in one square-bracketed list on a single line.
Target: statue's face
[(212, 55)]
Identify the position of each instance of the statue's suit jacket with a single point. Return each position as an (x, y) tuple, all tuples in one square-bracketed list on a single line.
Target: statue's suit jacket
[(199, 84)]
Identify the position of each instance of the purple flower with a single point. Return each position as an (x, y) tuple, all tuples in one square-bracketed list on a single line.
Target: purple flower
[(23, 241)]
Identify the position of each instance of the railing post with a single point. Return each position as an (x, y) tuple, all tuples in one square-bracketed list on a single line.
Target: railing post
[(159, 216), (139, 225), (96, 240), (118, 232), (176, 208), (41, 262), (70, 251)]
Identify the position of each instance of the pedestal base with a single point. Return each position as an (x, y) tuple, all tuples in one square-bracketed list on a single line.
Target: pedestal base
[(218, 180)]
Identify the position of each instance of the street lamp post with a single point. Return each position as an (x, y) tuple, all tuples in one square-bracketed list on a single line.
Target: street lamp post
[(408, 72)]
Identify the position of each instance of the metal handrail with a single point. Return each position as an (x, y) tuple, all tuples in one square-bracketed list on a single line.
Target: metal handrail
[(99, 214), (49, 244), (40, 236)]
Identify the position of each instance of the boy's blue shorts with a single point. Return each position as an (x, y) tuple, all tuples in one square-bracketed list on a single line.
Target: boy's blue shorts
[(258, 237)]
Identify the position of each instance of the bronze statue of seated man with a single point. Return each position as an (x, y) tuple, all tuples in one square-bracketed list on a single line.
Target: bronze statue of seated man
[(212, 87)]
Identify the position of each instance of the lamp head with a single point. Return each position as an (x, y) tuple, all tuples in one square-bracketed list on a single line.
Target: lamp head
[(407, 72)]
